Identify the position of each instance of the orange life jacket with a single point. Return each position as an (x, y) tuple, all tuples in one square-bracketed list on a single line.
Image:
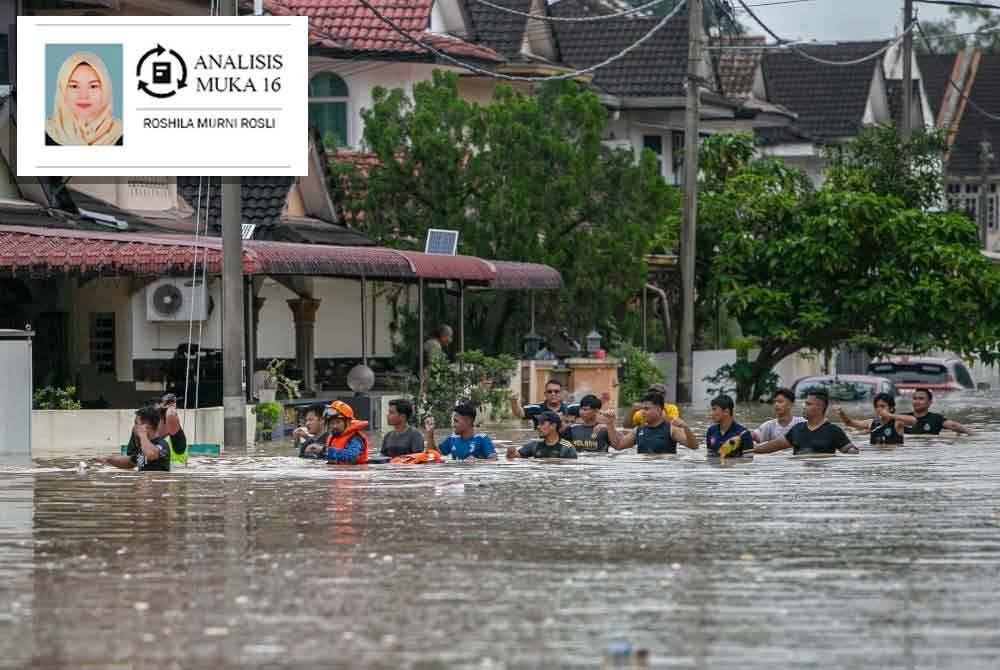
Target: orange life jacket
[(425, 456), (355, 427)]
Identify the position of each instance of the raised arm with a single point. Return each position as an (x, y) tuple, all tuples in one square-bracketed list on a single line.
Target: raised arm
[(901, 421), (772, 446), (516, 408), (429, 433), (853, 423)]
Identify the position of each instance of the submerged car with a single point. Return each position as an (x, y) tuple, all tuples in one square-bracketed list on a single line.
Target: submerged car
[(846, 388), (937, 374)]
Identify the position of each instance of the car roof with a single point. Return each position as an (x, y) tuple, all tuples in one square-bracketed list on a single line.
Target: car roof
[(871, 379), (918, 360)]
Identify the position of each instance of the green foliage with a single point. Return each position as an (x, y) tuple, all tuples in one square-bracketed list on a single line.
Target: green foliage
[(637, 374), (276, 379), (268, 414), (524, 178), (850, 264), (732, 377), (52, 397), (475, 377), (876, 161)]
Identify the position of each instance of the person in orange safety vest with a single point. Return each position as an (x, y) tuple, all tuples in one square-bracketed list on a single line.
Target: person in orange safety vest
[(346, 441)]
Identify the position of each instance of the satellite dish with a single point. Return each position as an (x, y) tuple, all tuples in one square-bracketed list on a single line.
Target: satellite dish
[(167, 299), (360, 379)]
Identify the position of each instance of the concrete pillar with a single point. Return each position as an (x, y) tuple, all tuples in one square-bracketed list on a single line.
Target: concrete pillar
[(304, 313)]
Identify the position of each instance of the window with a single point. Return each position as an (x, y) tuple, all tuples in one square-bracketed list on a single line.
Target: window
[(965, 198), (328, 108), (655, 144), (102, 341)]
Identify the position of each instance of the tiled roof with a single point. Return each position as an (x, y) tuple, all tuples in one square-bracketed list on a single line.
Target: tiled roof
[(935, 71), (656, 69), (973, 127), (783, 135), (736, 67), (829, 100), (263, 198), (501, 31), (350, 27), (41, 251)]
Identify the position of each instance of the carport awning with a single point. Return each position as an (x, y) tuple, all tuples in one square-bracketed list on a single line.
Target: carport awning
[(49, 251)]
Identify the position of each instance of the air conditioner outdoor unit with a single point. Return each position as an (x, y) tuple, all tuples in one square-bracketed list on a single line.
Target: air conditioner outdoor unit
[(172, 300)]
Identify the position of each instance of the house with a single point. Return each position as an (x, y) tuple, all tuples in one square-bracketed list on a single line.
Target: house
[(118, 275), (833, 103), (964, 90)]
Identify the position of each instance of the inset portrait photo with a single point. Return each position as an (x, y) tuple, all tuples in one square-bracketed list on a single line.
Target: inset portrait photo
[(83, 94)]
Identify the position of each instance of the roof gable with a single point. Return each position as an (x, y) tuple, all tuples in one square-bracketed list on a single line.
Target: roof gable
[(830, 101)]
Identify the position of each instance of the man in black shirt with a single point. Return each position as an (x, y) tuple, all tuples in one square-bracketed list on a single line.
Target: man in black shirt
[(553, 403), (147, 452), (312, 437), (551, 444), (590, 434), (658, 435), (815, 436), (403, 439), (928, 422)]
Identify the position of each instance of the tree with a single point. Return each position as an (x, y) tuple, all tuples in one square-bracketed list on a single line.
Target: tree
[(941, 36), (852, 263), (523, 178)]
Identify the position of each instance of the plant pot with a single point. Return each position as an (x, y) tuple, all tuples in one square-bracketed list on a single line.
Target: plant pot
[(267, 395), (265, 435)]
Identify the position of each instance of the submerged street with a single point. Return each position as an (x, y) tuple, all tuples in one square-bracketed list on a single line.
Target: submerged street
[(889, 559)]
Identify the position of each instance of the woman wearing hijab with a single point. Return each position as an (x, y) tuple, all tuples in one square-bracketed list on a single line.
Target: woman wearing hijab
[(82, 113)]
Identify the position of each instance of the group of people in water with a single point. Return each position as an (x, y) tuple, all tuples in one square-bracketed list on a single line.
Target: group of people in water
[(333, 433), (565, 431)]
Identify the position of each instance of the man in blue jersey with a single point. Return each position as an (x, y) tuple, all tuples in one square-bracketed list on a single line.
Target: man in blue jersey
[(465, 444)]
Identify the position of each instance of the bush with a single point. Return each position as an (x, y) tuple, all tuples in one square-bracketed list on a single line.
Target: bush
[(52, 397), (268, 414), (637, 374), (480, 379)]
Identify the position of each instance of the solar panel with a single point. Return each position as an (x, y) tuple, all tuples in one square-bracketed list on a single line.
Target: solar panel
[(444, 242)]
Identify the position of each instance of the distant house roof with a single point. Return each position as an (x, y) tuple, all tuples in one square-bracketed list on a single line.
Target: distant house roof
[(974, 127), (262, 198), (894, 95), (829, 100), (936, 70), (784, 135), (501, 31), (736, 67), (656, 69), (349, 27)]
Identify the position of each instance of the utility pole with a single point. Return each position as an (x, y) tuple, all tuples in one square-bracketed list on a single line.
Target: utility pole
[(907, 123), (685, 350), (234, 423), (985, 159)]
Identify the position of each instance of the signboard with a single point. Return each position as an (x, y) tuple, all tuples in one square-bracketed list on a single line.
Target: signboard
[(173, 95)]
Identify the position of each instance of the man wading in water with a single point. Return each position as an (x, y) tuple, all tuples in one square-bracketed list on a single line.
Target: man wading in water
[(551, 444), (783, 421), (658, 436), (887, 427), (928, 422), (815, 436), (553, 402)]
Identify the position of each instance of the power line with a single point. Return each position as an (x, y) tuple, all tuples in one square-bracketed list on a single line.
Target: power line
[(571, 19), (955, 3), (780, 2), (824, 61), (507, 77)]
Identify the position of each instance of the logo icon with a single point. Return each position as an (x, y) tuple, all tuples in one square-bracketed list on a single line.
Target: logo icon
[(162, 64)]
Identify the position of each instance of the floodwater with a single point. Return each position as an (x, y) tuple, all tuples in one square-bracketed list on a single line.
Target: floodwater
[(889, 559)]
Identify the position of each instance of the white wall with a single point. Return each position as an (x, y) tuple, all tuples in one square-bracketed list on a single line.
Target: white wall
[(109, 294), (101, 432), (157, 339), (803, 364), (338, 321)]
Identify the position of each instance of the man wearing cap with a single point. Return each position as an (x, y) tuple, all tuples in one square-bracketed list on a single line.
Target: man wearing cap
[(591, 434), (636, 417), (346, 442), (465, 444), (550, 445)]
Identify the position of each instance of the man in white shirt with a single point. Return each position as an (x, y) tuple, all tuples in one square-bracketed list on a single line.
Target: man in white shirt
[(784, 405)]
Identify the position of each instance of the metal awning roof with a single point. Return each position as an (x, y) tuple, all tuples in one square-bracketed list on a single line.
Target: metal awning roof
[(48, 251)]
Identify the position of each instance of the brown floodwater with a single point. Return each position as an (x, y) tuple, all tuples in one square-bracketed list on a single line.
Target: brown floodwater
[(889, 559)]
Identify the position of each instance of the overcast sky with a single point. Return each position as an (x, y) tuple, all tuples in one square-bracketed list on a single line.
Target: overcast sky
[(836, 19)]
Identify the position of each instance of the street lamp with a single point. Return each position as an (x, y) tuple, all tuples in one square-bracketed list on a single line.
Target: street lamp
[(593, 342), (532, 343)]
